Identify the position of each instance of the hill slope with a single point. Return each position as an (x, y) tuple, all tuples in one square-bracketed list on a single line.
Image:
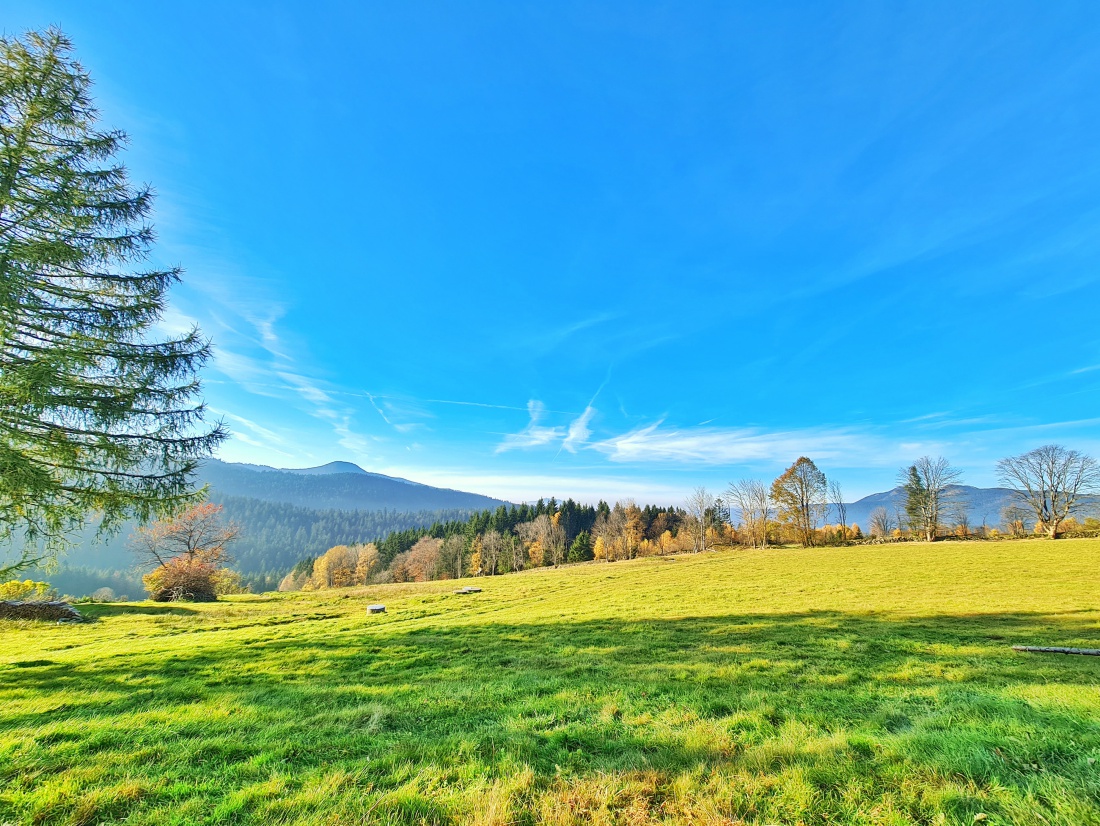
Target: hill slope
[(337, 485), (849, 685)]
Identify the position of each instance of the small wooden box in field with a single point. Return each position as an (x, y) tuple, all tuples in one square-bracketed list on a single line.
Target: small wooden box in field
[(376, 609)]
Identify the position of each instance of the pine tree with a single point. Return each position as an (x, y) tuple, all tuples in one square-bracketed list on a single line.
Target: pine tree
[(916, 500), (581, 549), (95, 417)]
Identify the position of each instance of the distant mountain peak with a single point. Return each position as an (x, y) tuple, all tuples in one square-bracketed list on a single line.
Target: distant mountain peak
[(336, 486), (331, 467)]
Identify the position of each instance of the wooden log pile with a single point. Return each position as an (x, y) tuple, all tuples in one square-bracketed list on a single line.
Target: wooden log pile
[(52, 611)]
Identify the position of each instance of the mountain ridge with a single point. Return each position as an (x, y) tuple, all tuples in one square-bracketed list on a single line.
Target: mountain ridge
[(336, 485)]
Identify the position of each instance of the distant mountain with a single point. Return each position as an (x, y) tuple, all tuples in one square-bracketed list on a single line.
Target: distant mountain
[(983, 505), (337, 485), (331, 467)]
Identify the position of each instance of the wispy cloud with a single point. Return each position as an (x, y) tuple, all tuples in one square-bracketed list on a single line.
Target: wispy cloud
[(549, 339), (728, 446), (259, 430), (534, 434), (579, 430), (374, 404)]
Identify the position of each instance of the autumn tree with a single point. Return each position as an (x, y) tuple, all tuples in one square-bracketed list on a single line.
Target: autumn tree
[(423, 560), (618, 531), (1050, 481), (752, 501), (551, 536), (932, 494), (367, 563), (632, 529), (188, 553), (97, 416), (335, 568), (799, 495), (530, 535)]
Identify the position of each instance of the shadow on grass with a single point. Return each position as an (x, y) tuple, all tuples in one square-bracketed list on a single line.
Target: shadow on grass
[(861, 693), (97, 610)]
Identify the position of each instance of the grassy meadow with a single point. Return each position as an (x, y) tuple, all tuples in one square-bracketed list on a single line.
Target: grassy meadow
[(864, 685)]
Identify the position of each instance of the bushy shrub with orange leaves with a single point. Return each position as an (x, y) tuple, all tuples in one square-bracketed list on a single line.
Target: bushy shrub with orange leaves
[(181, 579)]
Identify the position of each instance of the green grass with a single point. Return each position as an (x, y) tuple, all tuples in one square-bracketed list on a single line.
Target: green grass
[(867, 685)]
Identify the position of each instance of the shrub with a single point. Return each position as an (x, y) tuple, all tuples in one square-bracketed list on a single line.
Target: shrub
[(26, 590), (179, 579)]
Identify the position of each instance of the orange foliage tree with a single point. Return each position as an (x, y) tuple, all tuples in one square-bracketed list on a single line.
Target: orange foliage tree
[(189, 554)]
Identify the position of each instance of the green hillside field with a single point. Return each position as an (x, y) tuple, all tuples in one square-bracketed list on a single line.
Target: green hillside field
[(861, 685)]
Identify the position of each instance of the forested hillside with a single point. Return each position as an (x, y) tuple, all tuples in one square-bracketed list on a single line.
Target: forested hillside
[(284, 516), (338, 486), (273, 538)]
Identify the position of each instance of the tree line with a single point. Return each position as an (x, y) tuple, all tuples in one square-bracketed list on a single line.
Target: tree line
[(504, 540), (1049, 482)]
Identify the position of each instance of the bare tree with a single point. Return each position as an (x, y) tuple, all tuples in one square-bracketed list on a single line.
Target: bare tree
[(492, 546), (932, 493), (882, 523), (1050, 481), (452, 553), (700, 514), (1014, 519), (836, 499), (751, 499), (516, 551)]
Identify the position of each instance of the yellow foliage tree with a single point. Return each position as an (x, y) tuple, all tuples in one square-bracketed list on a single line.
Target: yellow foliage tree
[(536, 554), (599, 550), (367, 564), (28, 589), (668, 543)]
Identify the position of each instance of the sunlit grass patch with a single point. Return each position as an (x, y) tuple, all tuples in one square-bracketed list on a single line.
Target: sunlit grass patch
[(871, 685)]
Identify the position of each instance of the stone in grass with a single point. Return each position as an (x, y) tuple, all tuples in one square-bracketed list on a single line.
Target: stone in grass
[(376, 609), (469, 589), (53, 611)]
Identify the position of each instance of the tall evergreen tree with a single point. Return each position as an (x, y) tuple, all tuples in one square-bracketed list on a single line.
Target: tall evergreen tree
[(932, 494), (96, 417), (916, 499)]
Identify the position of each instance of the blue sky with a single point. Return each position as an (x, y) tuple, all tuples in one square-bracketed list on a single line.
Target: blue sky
[(605, 250)]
